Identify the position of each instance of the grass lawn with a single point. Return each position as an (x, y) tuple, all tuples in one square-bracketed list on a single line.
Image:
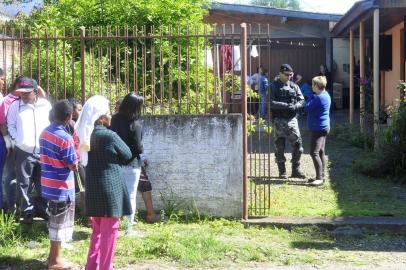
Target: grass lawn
[(345, 193), (210, 244)]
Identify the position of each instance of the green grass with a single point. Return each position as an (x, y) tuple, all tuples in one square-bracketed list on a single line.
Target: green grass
[(215, 243), (346, 192)]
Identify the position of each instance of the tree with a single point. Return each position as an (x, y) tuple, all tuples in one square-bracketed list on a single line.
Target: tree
[(169, 84), (289, 4)]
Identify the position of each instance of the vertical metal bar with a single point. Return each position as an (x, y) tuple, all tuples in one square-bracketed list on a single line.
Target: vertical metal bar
[(12, 54), (83, 62), (110, 67), (161, 70), (188, 68), (21, 47), (73, 66), (135, 59), (362, 76), (206, 85), (91, 66), (118, 69), (376, 76), (38, 58), (179, 73), (56, 64), (170, 79), (64, 61), (244, 116), (144, 63), (216, 65), (4, 52), (30, 51), (197, 94), (101, 61), (126, 68), (153, 94), (223, 70), (351, 76), (47, 61)]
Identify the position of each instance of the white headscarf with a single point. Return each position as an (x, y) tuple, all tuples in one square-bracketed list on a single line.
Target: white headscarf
[(94, 107)]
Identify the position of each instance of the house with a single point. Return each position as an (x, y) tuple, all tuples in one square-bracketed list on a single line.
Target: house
[(278, 36), (379, 28)]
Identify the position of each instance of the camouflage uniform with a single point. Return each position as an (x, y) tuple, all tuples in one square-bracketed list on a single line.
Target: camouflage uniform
[(286, 101)]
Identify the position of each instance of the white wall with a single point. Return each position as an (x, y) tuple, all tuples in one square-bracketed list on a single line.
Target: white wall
[(198, 158)]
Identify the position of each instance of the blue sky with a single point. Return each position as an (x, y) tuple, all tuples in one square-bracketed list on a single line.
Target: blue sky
[(326, 6)]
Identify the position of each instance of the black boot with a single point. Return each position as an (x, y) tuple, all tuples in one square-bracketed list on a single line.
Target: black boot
[(297, 172), (282, 170)]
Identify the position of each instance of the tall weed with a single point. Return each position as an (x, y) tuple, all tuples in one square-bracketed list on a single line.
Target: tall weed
[(10, 232)]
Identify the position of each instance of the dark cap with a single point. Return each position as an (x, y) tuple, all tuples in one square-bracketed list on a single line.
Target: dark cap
[(26, 85), (286, 68)]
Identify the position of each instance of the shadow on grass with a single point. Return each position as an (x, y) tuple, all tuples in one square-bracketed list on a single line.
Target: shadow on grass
[(355, 245), (273, 180), (17, 263)]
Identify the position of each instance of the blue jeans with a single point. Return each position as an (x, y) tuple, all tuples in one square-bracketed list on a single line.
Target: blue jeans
[(3, 153)]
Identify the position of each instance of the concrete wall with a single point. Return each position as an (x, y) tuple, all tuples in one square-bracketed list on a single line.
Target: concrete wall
[(392, 77), (341, 57), (196, 160)]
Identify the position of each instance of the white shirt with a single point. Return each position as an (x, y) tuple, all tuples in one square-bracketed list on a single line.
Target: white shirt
[(25, 122)]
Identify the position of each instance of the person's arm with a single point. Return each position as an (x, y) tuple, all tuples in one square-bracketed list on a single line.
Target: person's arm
[(41, 92), (68, 152), (136, 139), (12, 119), (312, 103), (276, 105), (300, 98)]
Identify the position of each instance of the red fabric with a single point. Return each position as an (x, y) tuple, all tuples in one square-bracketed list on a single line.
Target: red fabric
[(226, 52)]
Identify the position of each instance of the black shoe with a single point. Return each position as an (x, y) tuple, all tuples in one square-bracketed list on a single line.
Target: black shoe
[(298, 174), (28, 218), (282, 170)]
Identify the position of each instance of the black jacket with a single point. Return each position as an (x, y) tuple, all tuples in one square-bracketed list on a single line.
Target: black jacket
[(130, 131)]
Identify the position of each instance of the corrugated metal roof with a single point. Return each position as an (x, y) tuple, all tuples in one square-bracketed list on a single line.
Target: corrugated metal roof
[(275, 12)]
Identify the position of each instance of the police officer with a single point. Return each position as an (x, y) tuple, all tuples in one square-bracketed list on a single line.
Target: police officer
[(286, 101)]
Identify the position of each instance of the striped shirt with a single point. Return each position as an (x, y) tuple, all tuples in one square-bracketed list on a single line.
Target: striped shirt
[(57, 151)]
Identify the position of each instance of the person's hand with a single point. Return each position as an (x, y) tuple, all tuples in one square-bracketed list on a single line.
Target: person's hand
[(73, 167), (145, 162), (291, 107), (9, 144), (41, 92)]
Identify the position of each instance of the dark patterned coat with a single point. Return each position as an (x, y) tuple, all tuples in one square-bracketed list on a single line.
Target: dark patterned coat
[(106, 192)]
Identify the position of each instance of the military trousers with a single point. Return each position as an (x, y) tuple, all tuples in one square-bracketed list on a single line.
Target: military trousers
[(285, 129)]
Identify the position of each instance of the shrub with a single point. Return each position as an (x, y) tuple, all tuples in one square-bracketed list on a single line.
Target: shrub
[(352, 134)]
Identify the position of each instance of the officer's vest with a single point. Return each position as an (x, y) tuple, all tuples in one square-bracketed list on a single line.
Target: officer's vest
[(284, 93)]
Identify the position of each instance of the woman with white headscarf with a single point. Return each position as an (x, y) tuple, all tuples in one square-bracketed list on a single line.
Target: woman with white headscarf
[(107, 197)]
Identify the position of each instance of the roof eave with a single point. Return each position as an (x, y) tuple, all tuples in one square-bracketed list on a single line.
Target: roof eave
[(357, 11), (275, 12)]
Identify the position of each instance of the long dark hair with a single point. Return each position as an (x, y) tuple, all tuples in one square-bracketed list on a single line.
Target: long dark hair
[(131, 107)]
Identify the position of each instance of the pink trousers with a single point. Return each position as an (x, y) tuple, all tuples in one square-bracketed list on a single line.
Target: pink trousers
[(102, 243)]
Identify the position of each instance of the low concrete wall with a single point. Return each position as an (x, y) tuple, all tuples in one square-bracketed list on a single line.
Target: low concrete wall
[(195, 161)]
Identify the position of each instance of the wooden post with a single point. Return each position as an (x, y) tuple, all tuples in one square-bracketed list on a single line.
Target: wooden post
[(362, 76), (243, 45), (376, 76), (351, 76)]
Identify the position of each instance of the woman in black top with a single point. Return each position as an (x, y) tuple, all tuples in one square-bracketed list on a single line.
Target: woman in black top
[(126, 123)]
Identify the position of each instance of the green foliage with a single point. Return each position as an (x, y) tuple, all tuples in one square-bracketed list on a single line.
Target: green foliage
[(167, 71), (352, 134), (10, 233), (390, 158), (289, 4)]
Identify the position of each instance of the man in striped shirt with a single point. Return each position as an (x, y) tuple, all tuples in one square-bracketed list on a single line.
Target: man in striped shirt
[(58, 161)]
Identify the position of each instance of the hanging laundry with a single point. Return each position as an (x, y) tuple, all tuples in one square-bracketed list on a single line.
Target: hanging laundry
[(226, 52), (237, 58), (209, 58), (254, 51)]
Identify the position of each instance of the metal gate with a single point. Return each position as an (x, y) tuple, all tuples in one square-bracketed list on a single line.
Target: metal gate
[(192, 70)]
